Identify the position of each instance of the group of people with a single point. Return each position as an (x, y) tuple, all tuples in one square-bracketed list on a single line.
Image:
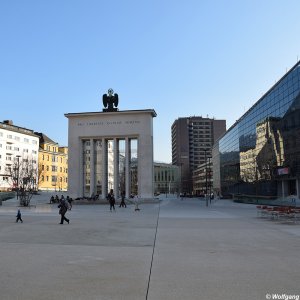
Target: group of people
[(65, 204), (112, 201), (56, 199)]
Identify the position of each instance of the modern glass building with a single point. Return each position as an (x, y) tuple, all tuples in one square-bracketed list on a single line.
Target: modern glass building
[(260, 154)]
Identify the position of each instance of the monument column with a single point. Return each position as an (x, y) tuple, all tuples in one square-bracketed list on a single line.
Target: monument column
[(81, 172), (145, 166), (127, 167), (104, 168), (92, 164), (116, 167)]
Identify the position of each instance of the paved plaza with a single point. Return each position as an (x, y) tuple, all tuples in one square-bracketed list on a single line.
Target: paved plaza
[(175, 249)]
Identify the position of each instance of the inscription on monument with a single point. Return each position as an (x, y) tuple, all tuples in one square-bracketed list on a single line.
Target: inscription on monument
[(108, 123)]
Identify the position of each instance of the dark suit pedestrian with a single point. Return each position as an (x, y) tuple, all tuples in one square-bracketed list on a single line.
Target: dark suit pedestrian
[(19, 217), (63, 208), (122, 203), (111, 199)]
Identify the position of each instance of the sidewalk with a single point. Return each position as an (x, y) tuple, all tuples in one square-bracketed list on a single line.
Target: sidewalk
[(219, 252)]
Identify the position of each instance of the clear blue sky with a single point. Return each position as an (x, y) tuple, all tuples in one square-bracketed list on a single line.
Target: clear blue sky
[(181, 58)]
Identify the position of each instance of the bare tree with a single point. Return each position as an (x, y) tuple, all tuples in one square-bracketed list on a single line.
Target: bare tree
[(22, 177)]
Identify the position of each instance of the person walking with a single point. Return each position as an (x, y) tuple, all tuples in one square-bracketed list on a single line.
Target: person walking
[(111, 199), (19, 216), (122, 203), (136, 202), (63, 208)]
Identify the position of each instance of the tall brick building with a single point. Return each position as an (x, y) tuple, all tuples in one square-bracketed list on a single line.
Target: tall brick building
[(192, 141)]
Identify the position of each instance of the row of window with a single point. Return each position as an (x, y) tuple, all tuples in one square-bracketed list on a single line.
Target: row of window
[(18, 139), (17, 149), (54, 149), (11, 158), (164, 175), (54, 158), (54, 169), (54, 179)]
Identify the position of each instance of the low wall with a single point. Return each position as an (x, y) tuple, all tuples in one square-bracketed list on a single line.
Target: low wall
[(6, 195)]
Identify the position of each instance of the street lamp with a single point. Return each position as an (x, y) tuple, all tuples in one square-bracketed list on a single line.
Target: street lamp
[(18, 174), (209, 178), (206, 181)]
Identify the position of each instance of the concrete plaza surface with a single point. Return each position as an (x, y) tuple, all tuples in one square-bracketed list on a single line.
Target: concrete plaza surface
[(175, 249)]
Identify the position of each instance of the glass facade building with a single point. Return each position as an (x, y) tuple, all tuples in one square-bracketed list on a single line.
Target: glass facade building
[(260, 154)]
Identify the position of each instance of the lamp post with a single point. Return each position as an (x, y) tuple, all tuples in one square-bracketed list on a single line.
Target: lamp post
[(206, 177), (206, 199), (180, 180), (209, 179), (18, 174)]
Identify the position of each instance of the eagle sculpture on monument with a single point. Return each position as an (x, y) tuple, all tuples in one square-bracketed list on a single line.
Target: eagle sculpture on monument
[(110, 101)]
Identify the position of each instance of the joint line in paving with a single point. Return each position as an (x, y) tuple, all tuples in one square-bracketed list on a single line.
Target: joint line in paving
[(153, 251)]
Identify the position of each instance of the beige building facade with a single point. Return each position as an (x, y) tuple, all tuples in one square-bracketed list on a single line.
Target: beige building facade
[(52, 166)]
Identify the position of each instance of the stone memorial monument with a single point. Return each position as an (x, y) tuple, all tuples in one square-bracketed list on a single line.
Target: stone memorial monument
[(112, 149)]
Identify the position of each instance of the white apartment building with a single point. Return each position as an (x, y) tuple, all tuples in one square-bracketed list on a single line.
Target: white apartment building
[(19, 148)]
